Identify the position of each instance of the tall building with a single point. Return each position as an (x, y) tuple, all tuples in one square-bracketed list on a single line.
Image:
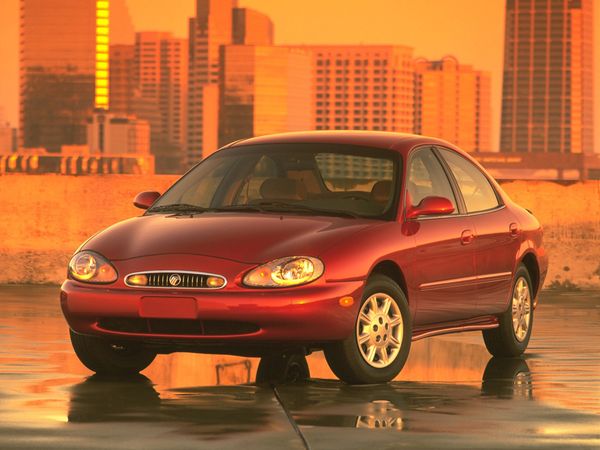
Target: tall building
[(453, 102), (208, 30), (547, 99), (122, 78), (57, 71), (161, 64), (252, 27), (217, 23), (264, 90), (363, 87), (63, 68)]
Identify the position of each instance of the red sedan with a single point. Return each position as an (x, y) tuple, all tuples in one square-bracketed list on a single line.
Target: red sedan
[(355, 243)]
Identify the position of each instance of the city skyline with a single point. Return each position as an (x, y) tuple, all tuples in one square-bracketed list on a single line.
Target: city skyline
[(485, 52)]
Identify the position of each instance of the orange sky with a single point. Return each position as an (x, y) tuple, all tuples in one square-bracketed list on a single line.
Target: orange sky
[(472, 30)]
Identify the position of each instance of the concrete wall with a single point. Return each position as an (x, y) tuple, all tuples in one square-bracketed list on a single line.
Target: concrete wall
[(44, 218)]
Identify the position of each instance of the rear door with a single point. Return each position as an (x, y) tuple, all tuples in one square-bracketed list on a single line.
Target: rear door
[(444, 269), (496, 229)]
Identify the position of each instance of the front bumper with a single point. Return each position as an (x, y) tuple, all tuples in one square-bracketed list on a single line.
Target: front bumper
[(307, 314)]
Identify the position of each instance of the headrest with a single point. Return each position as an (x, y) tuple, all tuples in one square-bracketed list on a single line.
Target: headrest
[(382, 191), (282, 188)]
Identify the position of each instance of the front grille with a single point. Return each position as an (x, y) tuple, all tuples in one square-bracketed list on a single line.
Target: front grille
[(185, 280), (177, 326)]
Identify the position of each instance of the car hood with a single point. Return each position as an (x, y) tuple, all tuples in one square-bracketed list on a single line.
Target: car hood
[(243, 237)]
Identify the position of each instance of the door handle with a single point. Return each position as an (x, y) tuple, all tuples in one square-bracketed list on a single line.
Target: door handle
[(466, 237), (514, 229)]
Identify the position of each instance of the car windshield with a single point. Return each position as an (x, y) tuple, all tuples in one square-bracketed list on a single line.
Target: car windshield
[(317, 179)]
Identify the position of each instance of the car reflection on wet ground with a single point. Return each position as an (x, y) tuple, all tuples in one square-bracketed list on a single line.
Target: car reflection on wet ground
[(451, 394)]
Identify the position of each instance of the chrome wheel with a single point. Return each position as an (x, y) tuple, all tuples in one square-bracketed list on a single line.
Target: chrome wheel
[(521, 309), (379, 330)]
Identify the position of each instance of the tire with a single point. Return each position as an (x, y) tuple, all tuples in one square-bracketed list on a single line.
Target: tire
[(504, 340), (507, 378), (282, 369), (349, 361), (101, 356)]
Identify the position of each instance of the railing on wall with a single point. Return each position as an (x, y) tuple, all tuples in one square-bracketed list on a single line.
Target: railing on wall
[(76, 165)]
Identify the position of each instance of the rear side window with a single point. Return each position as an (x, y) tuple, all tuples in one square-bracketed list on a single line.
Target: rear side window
[(478, 193)]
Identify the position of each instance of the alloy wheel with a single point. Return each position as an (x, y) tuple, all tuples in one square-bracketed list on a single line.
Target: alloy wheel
[(379, 330), (521, 309)]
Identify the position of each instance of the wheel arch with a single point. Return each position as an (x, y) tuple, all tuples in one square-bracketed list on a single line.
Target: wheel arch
[(392, 270), (529, 260)]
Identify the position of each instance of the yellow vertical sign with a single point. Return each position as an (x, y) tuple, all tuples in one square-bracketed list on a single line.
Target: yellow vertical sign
[(102, 61)]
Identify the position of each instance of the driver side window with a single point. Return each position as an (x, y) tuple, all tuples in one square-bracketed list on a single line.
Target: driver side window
[(426, 178)]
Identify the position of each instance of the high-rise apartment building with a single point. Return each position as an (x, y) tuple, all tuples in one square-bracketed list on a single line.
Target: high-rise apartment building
[(363, 87), (161, 64), (264, 90), (453, 102), (64, 67), (547, 99)]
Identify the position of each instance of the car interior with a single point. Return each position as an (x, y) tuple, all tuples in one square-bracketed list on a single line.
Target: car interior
[(334, 182)]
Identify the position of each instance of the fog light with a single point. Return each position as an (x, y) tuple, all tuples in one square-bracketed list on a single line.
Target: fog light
[(215, 282), (346, 302), (138, 280)]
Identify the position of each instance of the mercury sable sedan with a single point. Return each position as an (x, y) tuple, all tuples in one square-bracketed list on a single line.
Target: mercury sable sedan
[(354, 243)]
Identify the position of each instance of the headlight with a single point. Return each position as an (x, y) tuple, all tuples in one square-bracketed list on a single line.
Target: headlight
[(284, 272), (90, 267)]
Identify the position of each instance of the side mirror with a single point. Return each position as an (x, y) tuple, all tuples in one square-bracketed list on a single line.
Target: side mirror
[(430, 206), (144, 200)]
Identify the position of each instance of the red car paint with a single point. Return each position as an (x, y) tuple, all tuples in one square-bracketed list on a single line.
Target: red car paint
[(456, 271)]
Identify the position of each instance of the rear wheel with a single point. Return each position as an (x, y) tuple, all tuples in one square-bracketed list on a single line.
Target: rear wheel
[(379, 346), (514, 331), (106, 357)]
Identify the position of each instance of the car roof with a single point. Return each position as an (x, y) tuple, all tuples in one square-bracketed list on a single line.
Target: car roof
[(401, 142)]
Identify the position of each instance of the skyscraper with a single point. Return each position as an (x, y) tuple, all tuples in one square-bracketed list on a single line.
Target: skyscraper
[(547, 99), (252, 27), (122, 78), (208, 30), (264, 90), (161, 64), (217, 23), (57, 71), (363, 87), (63, 68), (453, 102)]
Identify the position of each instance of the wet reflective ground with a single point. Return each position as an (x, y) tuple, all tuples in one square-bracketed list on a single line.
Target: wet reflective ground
[(450, 394)]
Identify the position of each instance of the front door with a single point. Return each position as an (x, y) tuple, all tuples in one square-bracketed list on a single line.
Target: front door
[(444, 268)]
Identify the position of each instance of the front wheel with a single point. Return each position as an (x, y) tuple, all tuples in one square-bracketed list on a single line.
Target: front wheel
[(514, 331), (378, 348), (105, 357)]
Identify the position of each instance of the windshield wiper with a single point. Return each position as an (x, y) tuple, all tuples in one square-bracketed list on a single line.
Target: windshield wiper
[(179, 208), (295, 207), (235, 208)]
